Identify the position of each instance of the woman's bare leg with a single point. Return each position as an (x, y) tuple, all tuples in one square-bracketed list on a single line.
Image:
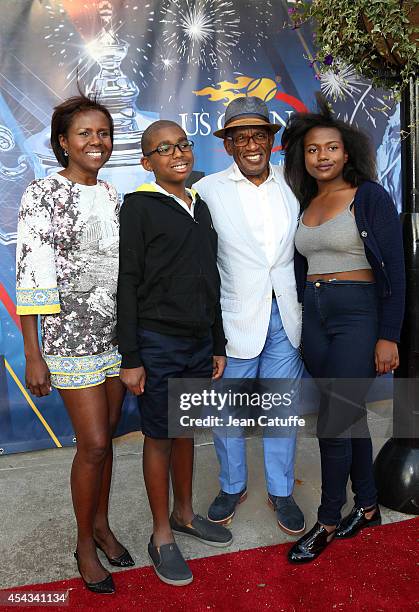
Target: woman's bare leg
[(88, 410), (115, 392)]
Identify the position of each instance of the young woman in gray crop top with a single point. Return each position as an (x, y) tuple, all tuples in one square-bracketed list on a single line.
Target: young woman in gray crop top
[(327, 162)]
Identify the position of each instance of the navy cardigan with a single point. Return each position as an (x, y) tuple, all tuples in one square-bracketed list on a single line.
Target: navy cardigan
[(380, 229)]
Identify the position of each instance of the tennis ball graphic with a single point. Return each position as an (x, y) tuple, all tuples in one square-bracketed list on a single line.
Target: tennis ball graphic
[(262, 88)]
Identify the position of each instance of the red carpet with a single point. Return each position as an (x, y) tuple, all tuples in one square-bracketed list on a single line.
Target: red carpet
[(376, 571)]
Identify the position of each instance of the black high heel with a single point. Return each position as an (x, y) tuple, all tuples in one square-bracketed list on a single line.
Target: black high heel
[(124, 559), (103, 587)]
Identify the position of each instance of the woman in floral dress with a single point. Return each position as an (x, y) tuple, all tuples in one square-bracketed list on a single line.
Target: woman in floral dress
[(67, 270)]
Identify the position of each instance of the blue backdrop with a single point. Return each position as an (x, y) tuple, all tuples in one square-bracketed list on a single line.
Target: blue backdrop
[(147, 59)]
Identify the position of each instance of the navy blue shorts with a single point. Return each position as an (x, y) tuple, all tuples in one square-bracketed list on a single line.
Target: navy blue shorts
[(165, 357)]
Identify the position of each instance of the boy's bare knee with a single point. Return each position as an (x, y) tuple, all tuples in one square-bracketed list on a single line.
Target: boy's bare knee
[(157, 445)]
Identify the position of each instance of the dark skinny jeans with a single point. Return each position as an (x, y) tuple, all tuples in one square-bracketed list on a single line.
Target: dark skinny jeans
[(339, 338)]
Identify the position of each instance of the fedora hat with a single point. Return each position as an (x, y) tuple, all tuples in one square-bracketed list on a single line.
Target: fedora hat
[(250, 112)]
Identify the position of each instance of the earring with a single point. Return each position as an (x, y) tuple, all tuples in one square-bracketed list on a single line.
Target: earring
[(65, 153)]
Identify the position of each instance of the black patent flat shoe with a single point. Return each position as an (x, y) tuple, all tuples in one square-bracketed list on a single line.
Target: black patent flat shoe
[(355, 521), (124, 560), (310, 545), (103, 587)]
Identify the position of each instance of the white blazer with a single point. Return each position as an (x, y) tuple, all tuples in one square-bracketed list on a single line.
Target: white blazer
[(247, 278)]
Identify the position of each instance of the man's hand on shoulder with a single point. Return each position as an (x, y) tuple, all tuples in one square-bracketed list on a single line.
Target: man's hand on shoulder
[(133, 379), (218, 366)]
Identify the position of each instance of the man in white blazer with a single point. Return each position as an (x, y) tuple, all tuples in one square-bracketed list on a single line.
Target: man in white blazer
[(255, 215)]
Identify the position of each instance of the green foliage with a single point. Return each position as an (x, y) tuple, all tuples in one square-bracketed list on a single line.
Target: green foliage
[(378, 37)]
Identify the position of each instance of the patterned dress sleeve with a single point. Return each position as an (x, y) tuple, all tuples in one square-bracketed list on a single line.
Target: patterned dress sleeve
[(36, 278), (113, 194)]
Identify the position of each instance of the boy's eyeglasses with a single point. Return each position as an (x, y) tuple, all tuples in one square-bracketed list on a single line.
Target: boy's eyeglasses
[(242, 140), (169, 149)]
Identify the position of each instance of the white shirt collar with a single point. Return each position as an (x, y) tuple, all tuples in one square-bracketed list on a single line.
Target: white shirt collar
[(236, 174), (191, 192)]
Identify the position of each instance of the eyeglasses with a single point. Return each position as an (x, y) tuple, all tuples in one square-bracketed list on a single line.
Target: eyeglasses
[(242, 140), (169, 149)]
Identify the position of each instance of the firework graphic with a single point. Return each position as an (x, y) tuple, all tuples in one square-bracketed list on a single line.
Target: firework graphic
[(202, 32), (164, 58), (98, 54), (72, 26), (73, 34), (342, 83), (166, 63), (58, 38), (260, 14)]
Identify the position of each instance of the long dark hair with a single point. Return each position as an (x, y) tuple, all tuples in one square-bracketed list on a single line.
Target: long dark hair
[(361, 164), (63, 116)]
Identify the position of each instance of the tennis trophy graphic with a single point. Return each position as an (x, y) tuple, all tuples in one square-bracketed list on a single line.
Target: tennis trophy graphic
[(112, 88)]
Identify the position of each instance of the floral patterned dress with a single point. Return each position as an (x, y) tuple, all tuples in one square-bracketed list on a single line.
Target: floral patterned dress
[(67, 271)]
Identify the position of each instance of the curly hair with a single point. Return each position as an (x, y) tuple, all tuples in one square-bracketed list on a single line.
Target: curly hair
[(63, 116), (361, 164)]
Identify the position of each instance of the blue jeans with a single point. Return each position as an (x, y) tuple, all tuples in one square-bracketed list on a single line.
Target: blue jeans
[(278, 359), (339, 338)]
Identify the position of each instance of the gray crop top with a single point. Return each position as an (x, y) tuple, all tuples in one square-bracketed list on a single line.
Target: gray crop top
[(333, 246)]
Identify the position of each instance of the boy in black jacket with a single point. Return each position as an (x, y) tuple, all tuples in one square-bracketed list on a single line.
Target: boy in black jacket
[(169, 326)]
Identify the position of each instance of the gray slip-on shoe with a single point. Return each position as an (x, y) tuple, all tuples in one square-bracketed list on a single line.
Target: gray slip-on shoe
[(169, 564), (203, 530)]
